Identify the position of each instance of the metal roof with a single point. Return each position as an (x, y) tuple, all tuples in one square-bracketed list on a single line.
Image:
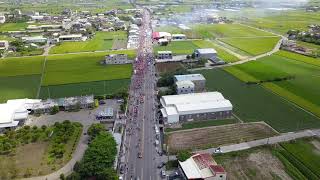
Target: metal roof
[(207, 51), (184, 83), (189, 77)]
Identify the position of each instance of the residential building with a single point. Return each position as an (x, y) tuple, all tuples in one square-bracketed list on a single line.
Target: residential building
[(202, 167), (208, 53), (184, 87), (4, 45), (197, 79), (161, 35), (71, 37), (117, 59), (195, 106), (15, 112), (164, 55), (34, 39)]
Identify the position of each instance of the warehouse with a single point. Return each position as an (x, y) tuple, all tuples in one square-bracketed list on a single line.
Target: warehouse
[(195, 106), (207, 53)]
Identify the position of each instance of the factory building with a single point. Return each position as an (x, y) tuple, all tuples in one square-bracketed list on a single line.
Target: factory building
[(197, 79), (208, 53), (195, 106)]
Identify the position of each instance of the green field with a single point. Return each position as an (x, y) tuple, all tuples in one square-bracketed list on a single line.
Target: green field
[(227, 30), (76, 68), (254, 103), (177, 47), (221, 52), (21, 66), (301, 90), (15, 87), (100, 42), (13, 27), (78, 89), (253, 46)]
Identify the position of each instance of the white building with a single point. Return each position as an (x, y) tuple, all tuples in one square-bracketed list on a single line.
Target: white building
[(197, 79), (4, 45), (202, 166), (71, 37), (34, 39), (207, 53), (195, 106), (164, 55), (2, 19), (184, 87), (15, 112), (117, 59)]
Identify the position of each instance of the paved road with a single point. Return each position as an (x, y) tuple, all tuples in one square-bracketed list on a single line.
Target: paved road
[(141, 157), (272, 140)]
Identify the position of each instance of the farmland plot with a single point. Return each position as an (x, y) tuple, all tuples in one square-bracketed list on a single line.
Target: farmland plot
[(216, 136)]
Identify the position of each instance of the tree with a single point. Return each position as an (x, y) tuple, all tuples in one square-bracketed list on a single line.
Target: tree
[(95, 129), (62, 176), (74, 176), (183, 155), (108, 174), (99, 156), (54, 110)]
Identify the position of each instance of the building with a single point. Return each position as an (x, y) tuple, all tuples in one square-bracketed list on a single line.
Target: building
[(71, 37), (44, 106), (197, 79), (202, 167), (184, 87), (34, 39), (75, 103), (116, 59), (179, 37), (208, 53), (15, 112), (2, 19), (195, 106), (106, 114), (161, 35), (164, 55), (4, 45)]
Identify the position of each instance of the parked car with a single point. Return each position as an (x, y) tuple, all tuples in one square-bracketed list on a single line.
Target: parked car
[(163, 174), (161, 165), (218, 150)]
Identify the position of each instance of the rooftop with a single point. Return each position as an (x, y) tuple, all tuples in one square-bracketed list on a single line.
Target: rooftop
[(207, 51), (184, 83), (189, 77), (71, 36)]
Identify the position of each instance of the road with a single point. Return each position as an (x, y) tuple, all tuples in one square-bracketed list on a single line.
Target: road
[(141, 157)]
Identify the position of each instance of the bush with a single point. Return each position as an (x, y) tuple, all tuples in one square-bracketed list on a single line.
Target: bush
[(54, 110), (183, 155)]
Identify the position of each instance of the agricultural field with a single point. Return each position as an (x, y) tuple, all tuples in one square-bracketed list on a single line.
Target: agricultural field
[(216, 136), (252, 164), (177, 47), (202, 124), (247, 102), (301, 89), (21, 66), (252, 46), (301, 158), (227, 31), (78, 68), (100, 42), (14, 87), (12, 27), (168, 67), (86, 88)]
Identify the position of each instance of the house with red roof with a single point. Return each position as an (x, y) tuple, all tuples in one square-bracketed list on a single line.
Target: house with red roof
[(202, 167)]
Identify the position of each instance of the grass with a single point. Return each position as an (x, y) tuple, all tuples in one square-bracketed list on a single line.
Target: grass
[(222, 54), (100, 42), (254, 103), (16, 87), (21, 66), (78, 89), (201, 124), (13, 27), (77, 68), (227, 30), (253, 46), (7, 38), (300, 90)]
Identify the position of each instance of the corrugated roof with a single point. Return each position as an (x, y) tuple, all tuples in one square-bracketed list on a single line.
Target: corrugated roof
[(191, 98), (189, 77), (207, 51)]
